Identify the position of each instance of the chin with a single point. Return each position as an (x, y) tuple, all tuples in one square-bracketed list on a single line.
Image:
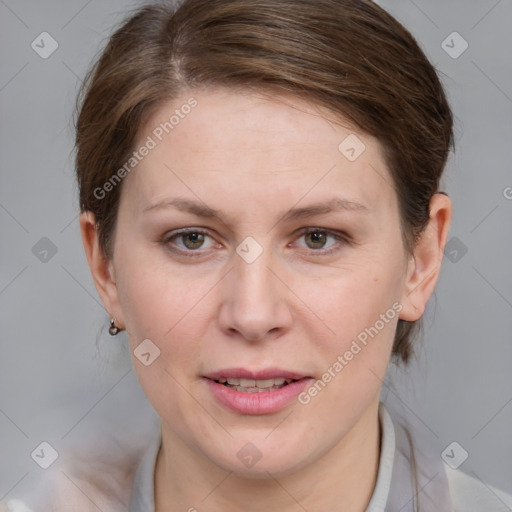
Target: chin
[(256, 460), (263, 470)]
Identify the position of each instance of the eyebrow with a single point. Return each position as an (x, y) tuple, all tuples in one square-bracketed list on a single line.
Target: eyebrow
[(202, 210)]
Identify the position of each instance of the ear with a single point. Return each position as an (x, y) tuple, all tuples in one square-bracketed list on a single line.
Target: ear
[(425, 263), (101, 267)]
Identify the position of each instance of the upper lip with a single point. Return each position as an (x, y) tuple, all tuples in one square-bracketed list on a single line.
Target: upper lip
[(244, 373)]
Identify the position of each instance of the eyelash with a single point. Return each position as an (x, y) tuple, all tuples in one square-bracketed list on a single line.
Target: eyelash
[(340, 237)]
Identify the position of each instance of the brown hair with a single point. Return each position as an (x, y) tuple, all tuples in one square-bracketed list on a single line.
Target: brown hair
[(350, 56)]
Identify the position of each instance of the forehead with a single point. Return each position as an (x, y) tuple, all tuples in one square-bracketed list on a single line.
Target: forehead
[(250, 146)]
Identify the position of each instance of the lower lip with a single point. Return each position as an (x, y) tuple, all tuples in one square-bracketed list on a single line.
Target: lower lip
[(264, 402)]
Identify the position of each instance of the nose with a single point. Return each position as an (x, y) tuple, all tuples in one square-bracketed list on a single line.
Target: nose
[(255, 301)]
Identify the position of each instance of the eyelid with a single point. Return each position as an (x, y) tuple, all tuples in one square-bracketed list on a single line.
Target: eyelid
[(340, 236), (167, 237), (333, 232)]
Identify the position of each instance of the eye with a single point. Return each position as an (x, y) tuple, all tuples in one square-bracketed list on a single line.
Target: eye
[(322, 240), (188, 240)]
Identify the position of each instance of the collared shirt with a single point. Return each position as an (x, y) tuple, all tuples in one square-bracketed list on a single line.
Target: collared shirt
[(411, 478)]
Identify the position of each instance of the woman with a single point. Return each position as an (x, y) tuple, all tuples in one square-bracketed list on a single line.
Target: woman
[(261, 213)]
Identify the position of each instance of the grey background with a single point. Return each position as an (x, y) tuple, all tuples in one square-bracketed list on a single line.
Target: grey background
[(63, 379)]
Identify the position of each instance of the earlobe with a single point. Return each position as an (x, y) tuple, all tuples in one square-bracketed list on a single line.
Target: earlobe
[(410, 310), (425, 264), (101, 267)]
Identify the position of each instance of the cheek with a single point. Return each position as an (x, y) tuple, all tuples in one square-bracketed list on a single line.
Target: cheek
[(347, 302), (359, 311), (363, 314), (149, 295), (166, 309), (163, 305)]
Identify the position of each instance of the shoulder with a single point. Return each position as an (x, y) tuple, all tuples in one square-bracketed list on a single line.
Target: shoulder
[(95, 472), (103, 487), (464, 492), (83, 479), (469, 494)]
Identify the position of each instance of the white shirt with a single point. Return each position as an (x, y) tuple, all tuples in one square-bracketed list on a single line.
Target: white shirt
[(439, 487)]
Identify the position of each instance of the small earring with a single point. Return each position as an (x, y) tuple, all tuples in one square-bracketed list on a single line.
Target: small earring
[(113, 329)]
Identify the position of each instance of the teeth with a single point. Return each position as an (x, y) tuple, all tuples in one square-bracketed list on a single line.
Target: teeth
[(267, 383), (252, 384)]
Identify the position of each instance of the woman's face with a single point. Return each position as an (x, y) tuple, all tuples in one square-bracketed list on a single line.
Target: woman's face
[(293, 257)]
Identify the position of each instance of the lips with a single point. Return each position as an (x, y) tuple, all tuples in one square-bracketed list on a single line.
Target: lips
[(256, 392)]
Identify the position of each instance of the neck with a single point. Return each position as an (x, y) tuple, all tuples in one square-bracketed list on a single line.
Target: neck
[(341, 480)]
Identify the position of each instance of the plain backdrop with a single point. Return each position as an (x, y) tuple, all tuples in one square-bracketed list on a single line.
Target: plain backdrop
[(63, 378)]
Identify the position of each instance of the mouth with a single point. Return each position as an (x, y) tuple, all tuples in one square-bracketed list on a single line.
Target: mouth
[(256, 392)]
